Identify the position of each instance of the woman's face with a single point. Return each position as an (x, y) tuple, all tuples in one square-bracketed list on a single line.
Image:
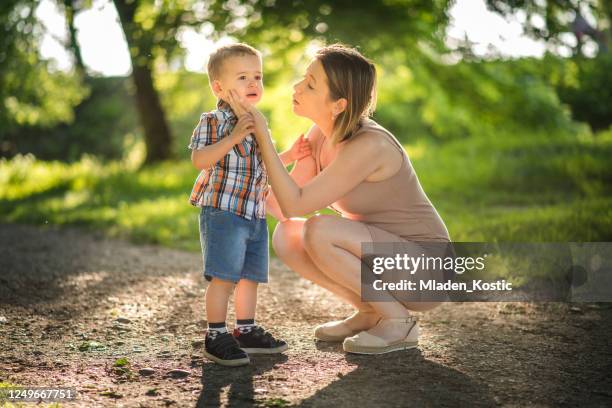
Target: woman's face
[(311, 94)]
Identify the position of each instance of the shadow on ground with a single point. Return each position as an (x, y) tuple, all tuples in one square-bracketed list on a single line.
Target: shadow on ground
[(405, 379), (234, 386)]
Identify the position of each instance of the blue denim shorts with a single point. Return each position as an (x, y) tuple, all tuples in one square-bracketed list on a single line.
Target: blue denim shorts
[(233, 247)]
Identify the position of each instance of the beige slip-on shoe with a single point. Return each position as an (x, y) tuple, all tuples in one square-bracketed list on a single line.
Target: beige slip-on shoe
[(366, 343), (333, 331)]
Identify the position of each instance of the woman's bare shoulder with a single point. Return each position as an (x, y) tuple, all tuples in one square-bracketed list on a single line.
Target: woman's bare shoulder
[(314, 134), (370, 139), (373, 146), (366, 145)]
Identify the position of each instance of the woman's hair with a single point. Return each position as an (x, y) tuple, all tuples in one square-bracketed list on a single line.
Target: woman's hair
[(353, 77)]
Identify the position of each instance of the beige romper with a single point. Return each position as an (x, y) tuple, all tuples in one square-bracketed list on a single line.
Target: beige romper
[(394, 209)]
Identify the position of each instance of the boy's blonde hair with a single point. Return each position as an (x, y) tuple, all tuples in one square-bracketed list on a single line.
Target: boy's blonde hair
[(215, 62)]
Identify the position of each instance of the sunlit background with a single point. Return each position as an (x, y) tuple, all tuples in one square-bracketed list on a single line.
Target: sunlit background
[(106, 53), (504, 107)]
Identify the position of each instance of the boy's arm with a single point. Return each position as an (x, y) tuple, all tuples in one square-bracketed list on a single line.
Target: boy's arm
[(209, 155), (286, 157), (206, 147), (299, 149)]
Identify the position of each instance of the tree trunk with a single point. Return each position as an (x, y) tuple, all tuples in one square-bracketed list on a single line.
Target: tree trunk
[(158, 139), (157, 133), (70, 11)]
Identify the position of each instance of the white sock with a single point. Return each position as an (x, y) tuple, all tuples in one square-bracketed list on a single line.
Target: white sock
[(215, 331), (246, 327)]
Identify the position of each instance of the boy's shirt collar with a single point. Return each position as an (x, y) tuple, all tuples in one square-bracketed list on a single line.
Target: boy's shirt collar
[(225, 108)]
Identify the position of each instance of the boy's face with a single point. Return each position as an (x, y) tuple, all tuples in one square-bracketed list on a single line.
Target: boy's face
[(242, 74)]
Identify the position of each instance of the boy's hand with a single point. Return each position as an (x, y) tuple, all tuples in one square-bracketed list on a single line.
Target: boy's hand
[(244, 127), (300, 148)]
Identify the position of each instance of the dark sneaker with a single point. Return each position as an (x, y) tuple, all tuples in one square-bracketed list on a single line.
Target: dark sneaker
[(259, 341), (224, 349)]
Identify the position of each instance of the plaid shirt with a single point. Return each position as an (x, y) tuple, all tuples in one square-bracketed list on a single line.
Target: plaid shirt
[(238, 182)]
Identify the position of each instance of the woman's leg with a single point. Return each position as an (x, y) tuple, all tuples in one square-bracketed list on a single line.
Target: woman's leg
[(288, 244), (334, 246)]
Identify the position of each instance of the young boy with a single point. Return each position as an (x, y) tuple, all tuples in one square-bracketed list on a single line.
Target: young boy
[(231, 190)]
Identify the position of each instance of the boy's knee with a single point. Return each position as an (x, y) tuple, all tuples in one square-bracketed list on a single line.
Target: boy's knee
[(222, 284), (247, 282)]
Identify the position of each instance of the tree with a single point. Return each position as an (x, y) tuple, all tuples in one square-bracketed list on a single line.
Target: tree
[(71, 8), (151, 27), (32, 93), (549, 20), (140, 40), (379, 28)]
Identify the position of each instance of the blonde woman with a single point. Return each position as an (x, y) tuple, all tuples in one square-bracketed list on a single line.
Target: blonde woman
[(360, 169)]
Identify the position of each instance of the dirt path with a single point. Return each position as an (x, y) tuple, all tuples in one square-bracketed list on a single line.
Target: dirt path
[(72, 303)]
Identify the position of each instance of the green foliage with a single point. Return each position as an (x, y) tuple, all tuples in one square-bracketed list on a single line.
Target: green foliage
[(185, 95), (428, 99), (551, 21), (152, 28), (589, 94), (501, 187), (105, 124), (149, 205), (282, 24), (517, 187), (31, 91)]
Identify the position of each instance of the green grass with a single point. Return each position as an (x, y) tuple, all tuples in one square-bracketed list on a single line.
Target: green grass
[(147, 205), (526, 188), (499, 188)]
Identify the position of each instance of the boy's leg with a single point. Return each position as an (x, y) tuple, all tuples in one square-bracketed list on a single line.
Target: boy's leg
[(245, 299), (217, 297), (251, 337), (220, 346), (221, 234), (245, 302), (254, 271)]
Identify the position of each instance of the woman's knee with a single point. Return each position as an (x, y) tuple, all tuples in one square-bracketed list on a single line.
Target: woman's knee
[(287, 238), (316, 231)]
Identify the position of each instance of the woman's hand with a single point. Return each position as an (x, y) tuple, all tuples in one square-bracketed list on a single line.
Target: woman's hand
[(300, 149), (238, 105)]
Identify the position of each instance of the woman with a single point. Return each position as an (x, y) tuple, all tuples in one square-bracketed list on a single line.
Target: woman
[(362, 171)]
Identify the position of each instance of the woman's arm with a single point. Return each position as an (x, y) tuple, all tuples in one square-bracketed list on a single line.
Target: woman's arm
[(357, 159), (354, 163), (303, 171)]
